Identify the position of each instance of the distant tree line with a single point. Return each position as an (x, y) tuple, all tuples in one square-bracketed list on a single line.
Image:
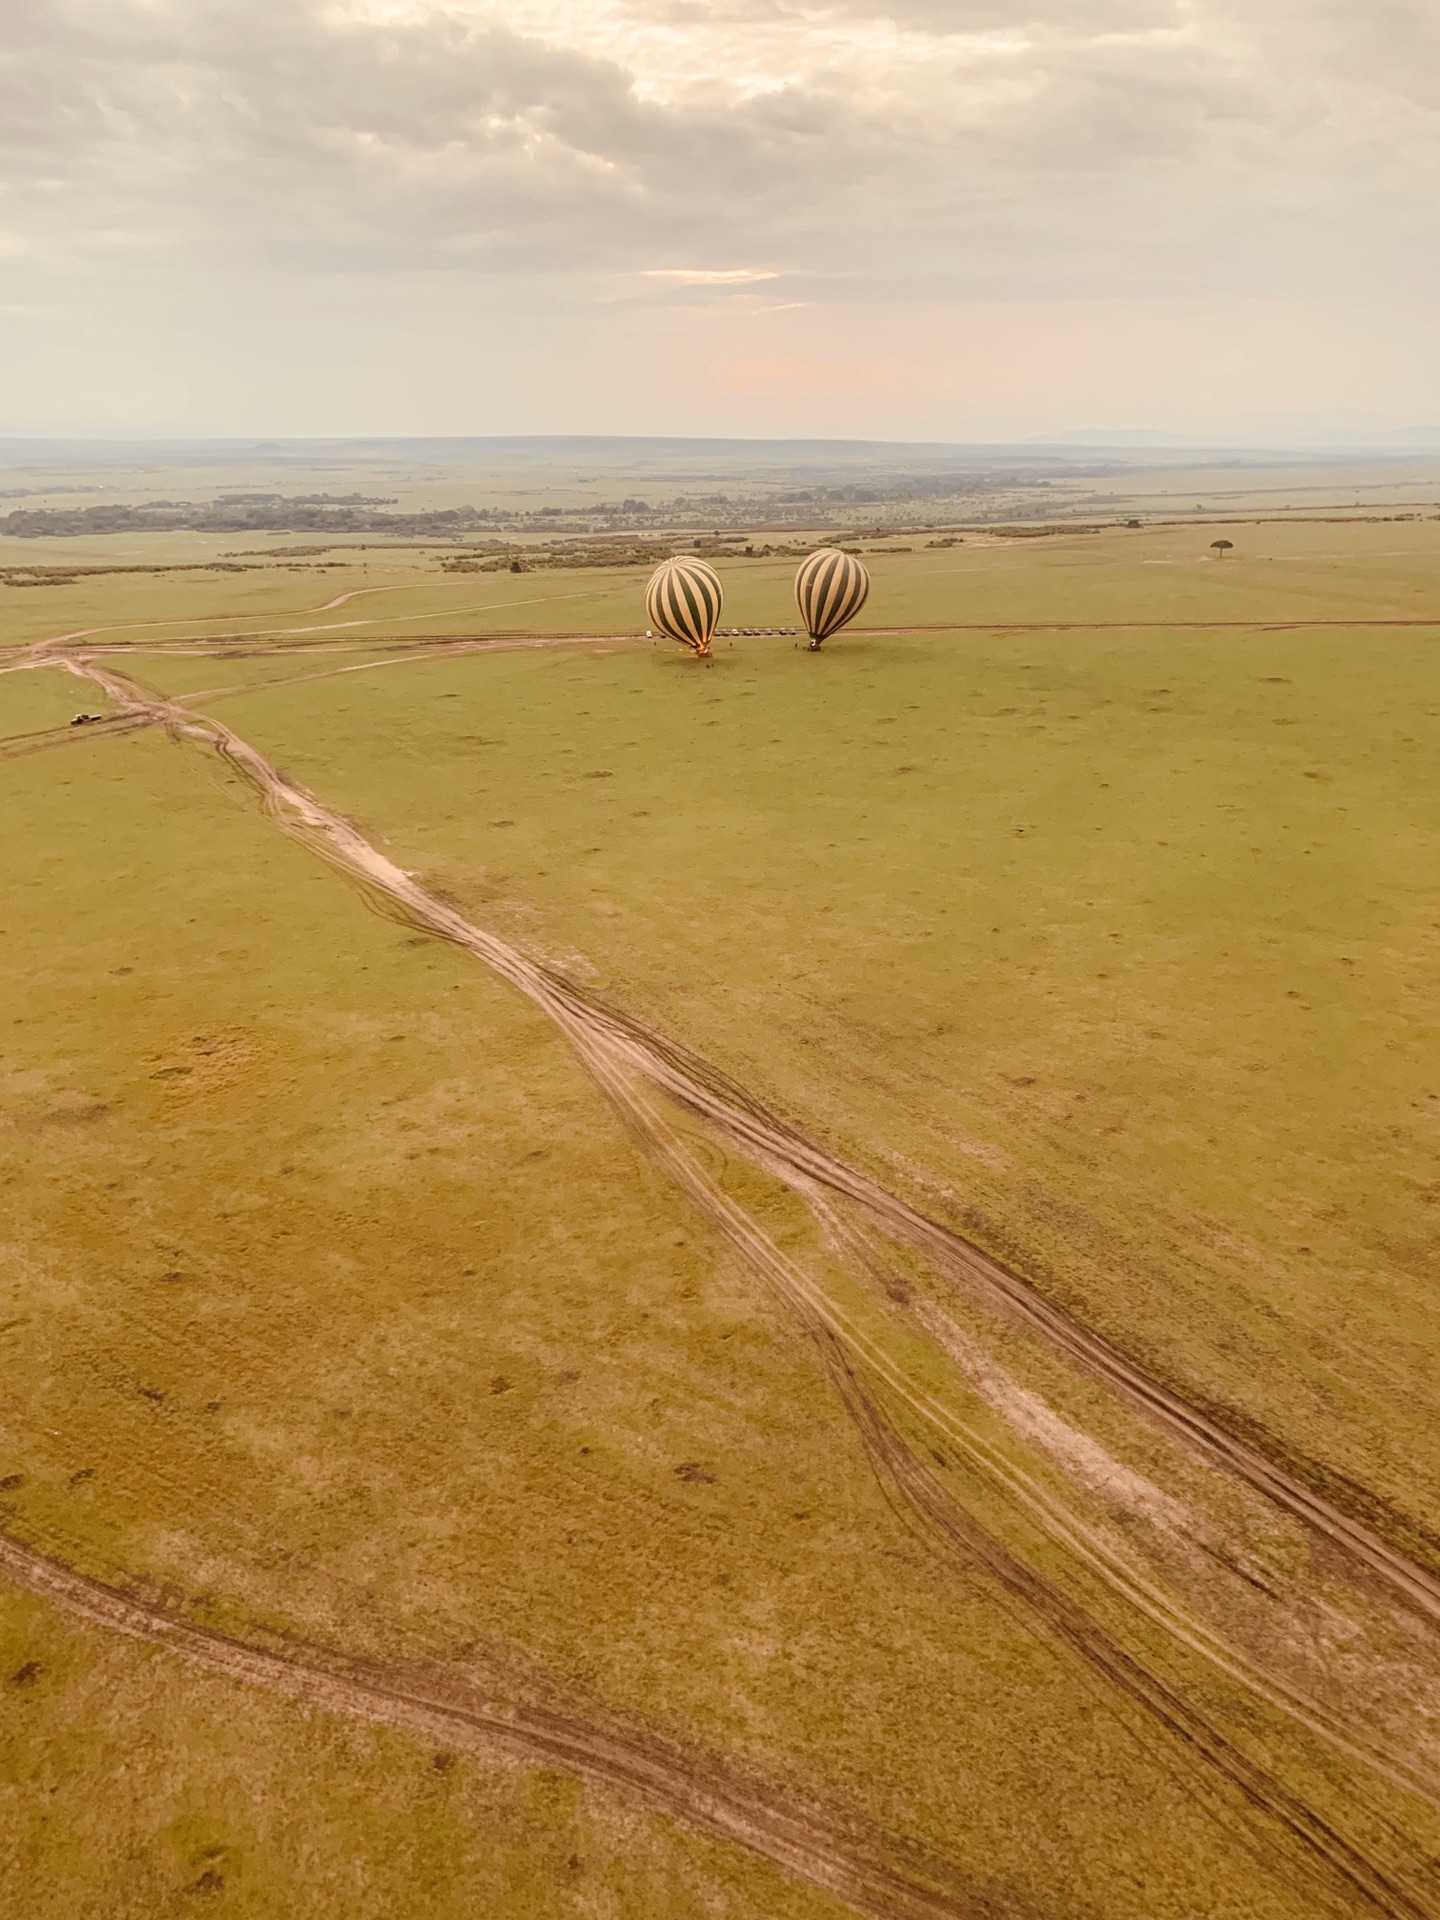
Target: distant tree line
[(243, 513)]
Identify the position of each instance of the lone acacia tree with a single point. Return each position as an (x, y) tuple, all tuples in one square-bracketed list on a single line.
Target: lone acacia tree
[(1222, 547)]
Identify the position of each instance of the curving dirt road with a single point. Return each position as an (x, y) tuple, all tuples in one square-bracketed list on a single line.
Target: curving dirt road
[(837, 1853)]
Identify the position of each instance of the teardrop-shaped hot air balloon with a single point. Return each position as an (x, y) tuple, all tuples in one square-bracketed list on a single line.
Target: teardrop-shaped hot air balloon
[(830, 589), (683, 600)]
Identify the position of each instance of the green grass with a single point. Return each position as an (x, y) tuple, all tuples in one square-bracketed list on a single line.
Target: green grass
[(400, 590), (341, 1305), (1277, 571), (338, 1302), (135, 1793), (1124, 943), (33, 701)]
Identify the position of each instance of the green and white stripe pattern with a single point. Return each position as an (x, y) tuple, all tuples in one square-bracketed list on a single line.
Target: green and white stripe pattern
[(684, 599), (830, 589)]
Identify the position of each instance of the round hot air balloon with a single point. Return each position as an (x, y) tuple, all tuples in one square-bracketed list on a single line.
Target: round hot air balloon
[(683, 600), (830, 589)]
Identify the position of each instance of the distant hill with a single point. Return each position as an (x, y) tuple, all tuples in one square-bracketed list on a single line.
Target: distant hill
[(1121, 437)]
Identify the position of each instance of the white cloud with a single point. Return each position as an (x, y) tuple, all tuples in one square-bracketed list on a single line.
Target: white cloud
[(710, 276), (920, 151), (970, 141)]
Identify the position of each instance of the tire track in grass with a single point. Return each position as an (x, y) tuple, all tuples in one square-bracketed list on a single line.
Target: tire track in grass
[(630, 1063), (692, 1083), (855, 1366), (948, 1521), (44, 740), (16, 746), (840, 1855)]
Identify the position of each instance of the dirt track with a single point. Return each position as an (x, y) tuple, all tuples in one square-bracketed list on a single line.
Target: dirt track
[(633, 1064), (18, 745), (947, 1522), (834, 1852), (932, 1501)]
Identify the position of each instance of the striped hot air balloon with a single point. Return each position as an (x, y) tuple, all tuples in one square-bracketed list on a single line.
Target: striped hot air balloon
[(830, 589), (683, 600)]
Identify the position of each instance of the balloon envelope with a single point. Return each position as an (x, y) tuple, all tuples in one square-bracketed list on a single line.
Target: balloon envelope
[(683, 600), (830, 589)]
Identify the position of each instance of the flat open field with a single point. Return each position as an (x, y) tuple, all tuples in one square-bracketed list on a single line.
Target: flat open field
[(785, 1288)]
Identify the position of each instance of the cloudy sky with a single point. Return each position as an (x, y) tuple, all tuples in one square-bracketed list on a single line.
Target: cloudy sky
[(947, 219)]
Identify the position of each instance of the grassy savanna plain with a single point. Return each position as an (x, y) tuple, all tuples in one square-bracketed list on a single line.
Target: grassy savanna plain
[(346, 1313), (359, 591)]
